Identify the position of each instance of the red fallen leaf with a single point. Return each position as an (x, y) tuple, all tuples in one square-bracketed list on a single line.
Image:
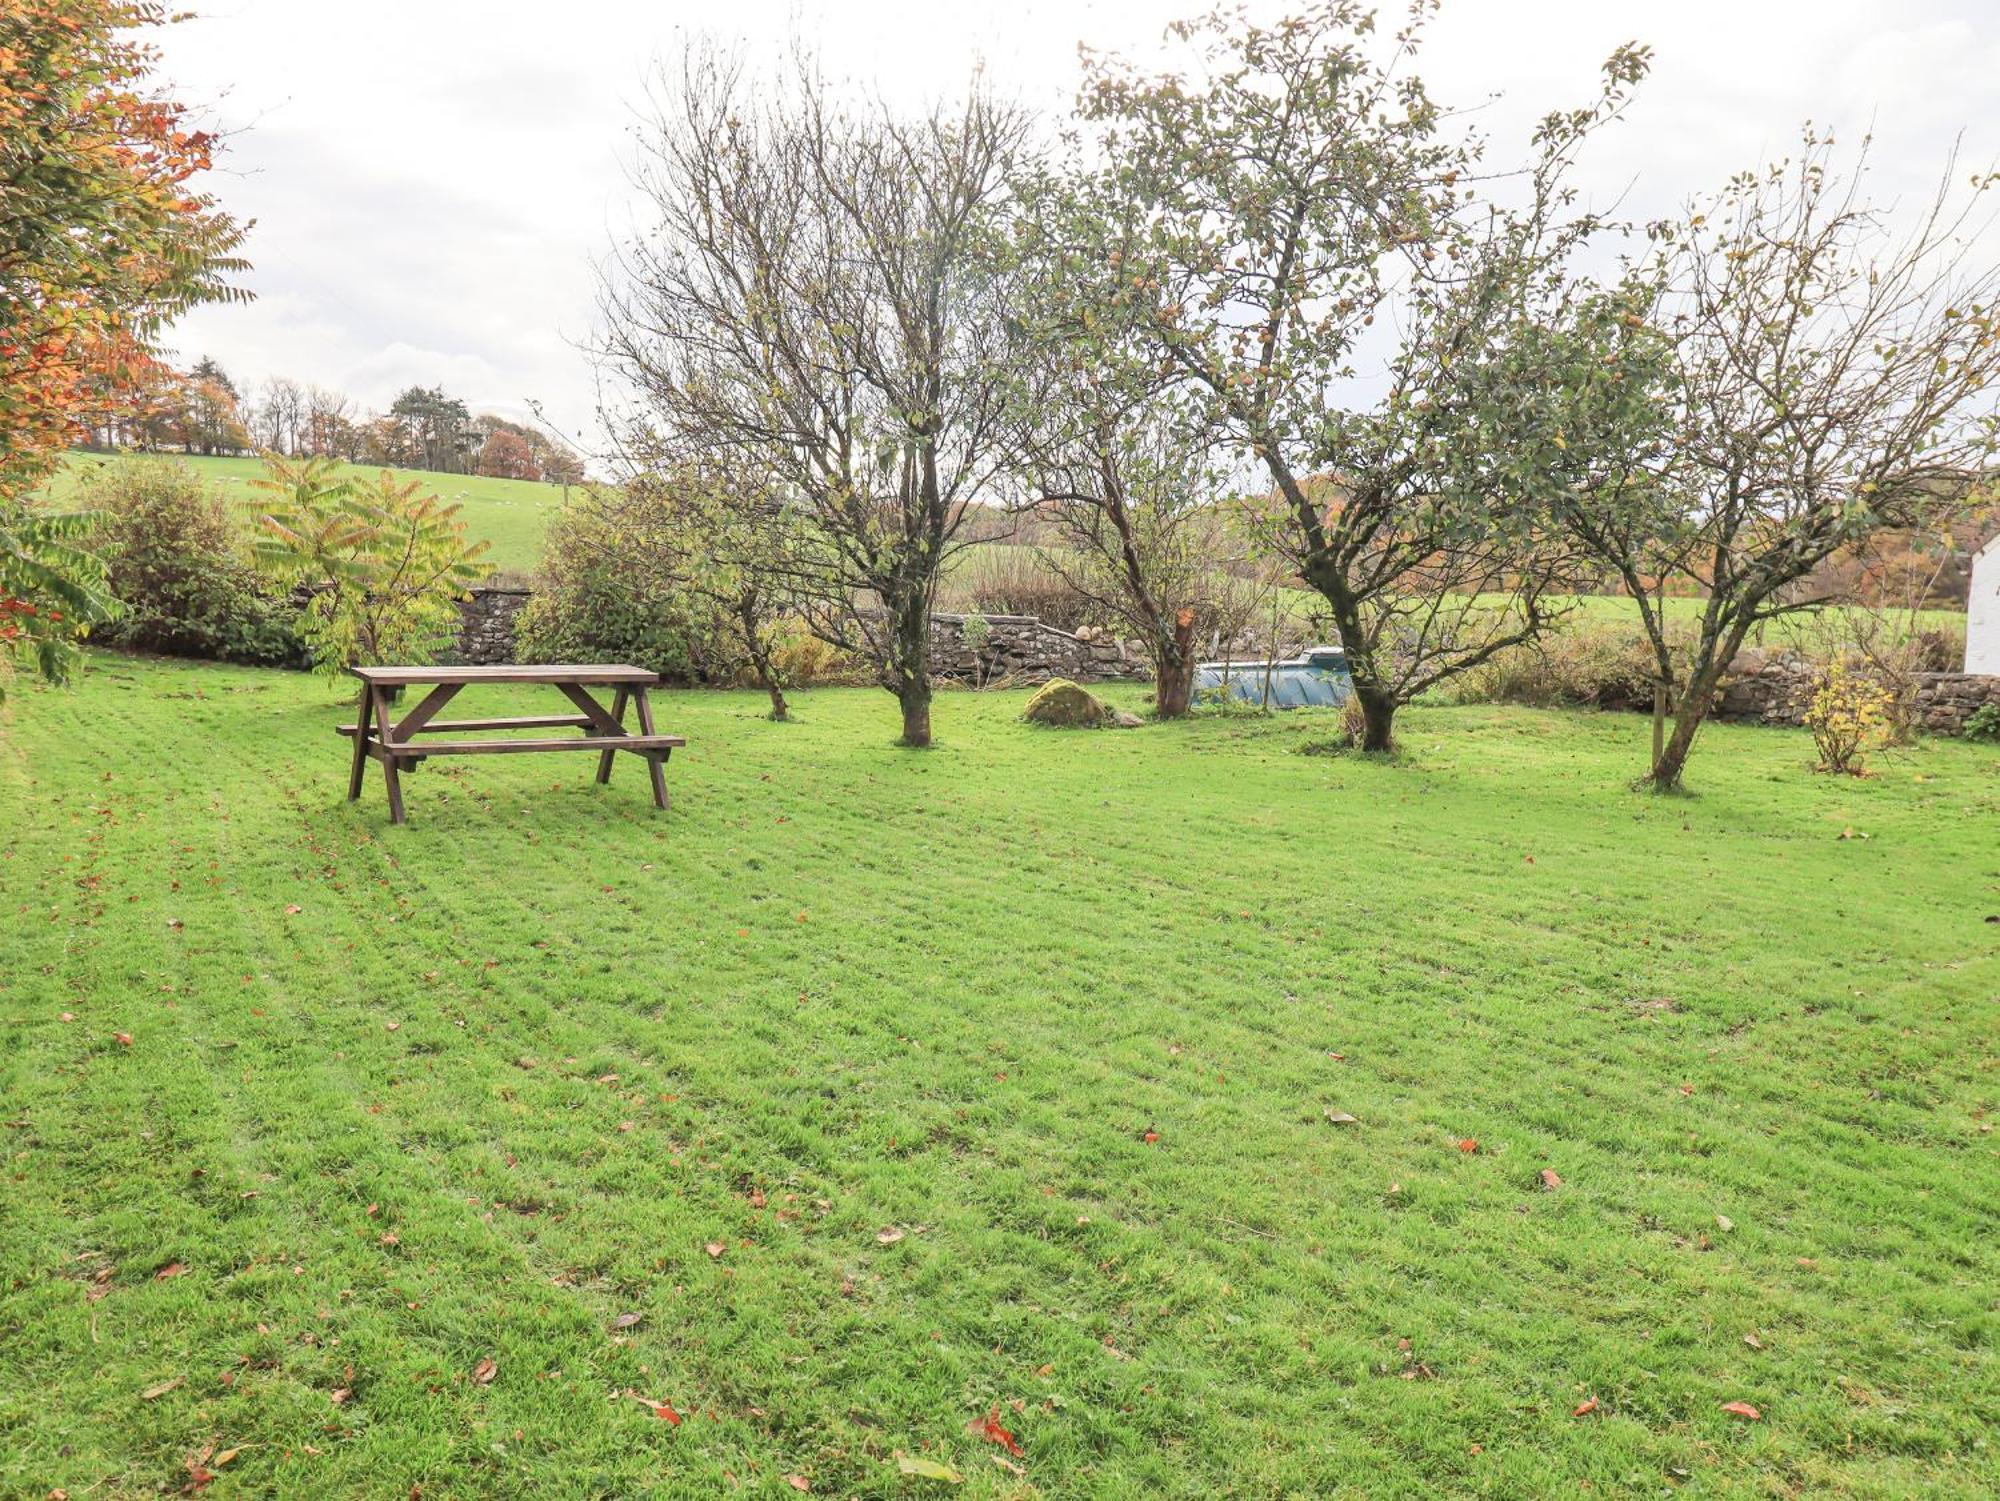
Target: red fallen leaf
[(798, 1482), (989, 1427), (1588, 1404), (124, 1038), (1687, 1089), (1469, 1144), (1743, 1410), (715, 1248), (1150, 1137), (1551, 1178), (171, 1269), (665, 1412), (485, 1371)]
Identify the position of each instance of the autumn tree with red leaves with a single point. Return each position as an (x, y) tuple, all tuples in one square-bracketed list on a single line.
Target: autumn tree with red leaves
[(102, 241)]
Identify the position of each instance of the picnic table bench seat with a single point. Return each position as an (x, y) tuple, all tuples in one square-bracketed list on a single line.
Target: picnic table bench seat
[(394, 742)]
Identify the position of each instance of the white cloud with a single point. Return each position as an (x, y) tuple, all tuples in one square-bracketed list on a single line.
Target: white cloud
[(432, 178)]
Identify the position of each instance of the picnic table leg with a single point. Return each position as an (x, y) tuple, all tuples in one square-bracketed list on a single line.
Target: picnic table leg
[(653, 758), (604, 761), (385, 739), (361, 731)]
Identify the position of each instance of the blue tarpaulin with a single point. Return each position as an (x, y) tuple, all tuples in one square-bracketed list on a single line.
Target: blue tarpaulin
[(1316, 677)]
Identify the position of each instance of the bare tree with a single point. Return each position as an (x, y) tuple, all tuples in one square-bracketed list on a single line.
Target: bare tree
[(329, 429), (279, 418), (811, 309), (1832, 377)]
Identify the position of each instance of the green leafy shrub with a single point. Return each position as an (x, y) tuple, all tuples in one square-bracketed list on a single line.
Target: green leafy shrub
[(1983, 723), (602, 598), (176, 560), (52, 590), (385, 563)]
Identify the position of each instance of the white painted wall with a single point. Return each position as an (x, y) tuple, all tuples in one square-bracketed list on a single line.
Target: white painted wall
[(1982, 612)]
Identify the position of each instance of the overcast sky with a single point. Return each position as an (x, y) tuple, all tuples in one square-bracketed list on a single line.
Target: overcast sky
[(431, 179)]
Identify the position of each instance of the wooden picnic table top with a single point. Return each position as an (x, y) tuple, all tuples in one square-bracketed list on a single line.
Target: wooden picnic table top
[(598, 672)]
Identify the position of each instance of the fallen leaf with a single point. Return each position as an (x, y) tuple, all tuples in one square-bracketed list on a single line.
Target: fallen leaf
[(124, 1038), (224, 1457), (664, 1411), (1006, 1464), (989, 1427), (715, 1248), (152, 1392), (1551, 1178), (1743, 1410), (340, 1394), (293, 909), (1588, 1404), (927, 1469), (171, 1269), (392, 1026), (798, 1482), (1342, 1118), (1724, 1223), (888, 1236), (626, 1320), (1469, 1144), (485, 1371), (1753, 1342), (373, 1210)]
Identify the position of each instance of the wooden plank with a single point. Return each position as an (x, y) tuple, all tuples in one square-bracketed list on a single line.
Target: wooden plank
[(360, 746), (420, 716), (604, 761), (600, 672), (524, 722), (600, 718), (639, 743), (654, 769), (385, 745)]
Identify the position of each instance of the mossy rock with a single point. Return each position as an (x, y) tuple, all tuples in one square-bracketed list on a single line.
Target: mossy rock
[(1068, 706)]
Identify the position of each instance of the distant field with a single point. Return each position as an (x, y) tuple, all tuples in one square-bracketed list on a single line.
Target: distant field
[(509, 513)]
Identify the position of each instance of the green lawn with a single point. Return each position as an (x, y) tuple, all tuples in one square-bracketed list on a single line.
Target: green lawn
[(509, 513), (1066, 1013)]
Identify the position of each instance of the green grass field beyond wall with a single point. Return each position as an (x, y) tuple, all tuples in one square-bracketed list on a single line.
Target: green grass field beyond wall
[(510, 514), (871, 1091)]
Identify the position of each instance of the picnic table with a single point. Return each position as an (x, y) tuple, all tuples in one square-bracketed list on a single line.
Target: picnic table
[(394, 742)]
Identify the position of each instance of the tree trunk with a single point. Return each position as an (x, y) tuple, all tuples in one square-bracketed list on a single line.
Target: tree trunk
[(916, 701), (760, 656), (1378, 718), (1692, 708), (910, 671), (1173, 670), (779, 708)]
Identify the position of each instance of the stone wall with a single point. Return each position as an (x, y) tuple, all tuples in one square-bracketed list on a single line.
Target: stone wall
[(1766, 687), (486, 627), (1945, 700), (1022, 648), (1777, 688)]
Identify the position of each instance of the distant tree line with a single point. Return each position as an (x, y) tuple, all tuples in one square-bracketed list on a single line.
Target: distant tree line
[(203, 410)]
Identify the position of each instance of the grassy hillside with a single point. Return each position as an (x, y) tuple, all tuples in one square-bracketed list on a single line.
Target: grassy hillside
[(870, 1092), (508, 513)]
